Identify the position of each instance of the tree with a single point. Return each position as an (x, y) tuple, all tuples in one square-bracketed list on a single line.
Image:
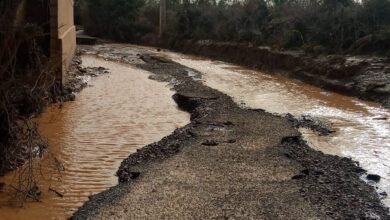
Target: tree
[(112, 19)]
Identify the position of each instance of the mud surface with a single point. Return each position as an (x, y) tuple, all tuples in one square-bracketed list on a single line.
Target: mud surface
[(367, 78), (231, 162)]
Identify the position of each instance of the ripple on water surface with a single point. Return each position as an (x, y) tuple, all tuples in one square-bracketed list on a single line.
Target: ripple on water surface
[(118, 113)]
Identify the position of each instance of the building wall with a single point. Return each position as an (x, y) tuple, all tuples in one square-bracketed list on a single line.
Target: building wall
[(63, 34)]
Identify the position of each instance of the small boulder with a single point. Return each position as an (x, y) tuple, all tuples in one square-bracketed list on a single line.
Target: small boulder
[(210, 143), (374, 177), (134, 175)]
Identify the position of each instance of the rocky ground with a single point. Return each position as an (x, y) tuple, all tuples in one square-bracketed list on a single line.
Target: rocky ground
[(231, 163)]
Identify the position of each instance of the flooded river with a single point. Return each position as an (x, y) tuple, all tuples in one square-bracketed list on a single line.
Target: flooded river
[(118, 113), (362, 128), (123, 111)]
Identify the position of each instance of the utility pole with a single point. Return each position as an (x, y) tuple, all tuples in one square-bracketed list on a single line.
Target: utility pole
[(163, 16)]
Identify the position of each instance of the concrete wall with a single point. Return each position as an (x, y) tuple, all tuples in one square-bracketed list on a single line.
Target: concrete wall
[(63, 34)]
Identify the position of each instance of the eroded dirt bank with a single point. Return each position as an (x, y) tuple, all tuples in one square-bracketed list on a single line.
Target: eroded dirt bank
[(231, 162), (365, 77)]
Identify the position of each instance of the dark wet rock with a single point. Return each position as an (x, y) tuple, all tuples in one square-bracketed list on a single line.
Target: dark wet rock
[(305, 171), (210, 143), (134, 175), (187, 103), (298, 177), (231, 141), (380, 118), (313, 123), (228, 123), (373, 177)]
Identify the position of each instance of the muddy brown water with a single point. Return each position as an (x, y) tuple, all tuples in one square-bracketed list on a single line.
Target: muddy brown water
[(115, 115), (362, 128)]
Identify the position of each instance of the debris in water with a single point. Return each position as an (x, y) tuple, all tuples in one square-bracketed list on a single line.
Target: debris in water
[(56, 192)]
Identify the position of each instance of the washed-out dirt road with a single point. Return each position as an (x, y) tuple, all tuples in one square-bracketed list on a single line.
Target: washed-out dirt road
[(229, 163)]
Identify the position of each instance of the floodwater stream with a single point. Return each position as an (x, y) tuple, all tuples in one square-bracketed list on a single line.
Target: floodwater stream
[(362, 128), (88, 138)]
